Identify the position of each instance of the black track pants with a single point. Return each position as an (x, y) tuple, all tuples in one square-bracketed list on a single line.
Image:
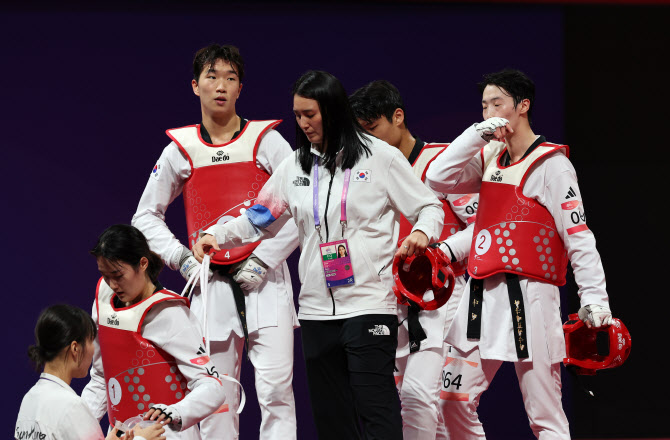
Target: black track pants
[(349, 366)]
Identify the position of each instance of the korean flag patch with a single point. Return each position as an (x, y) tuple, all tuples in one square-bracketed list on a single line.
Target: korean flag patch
[(362, 176), (156, 172)]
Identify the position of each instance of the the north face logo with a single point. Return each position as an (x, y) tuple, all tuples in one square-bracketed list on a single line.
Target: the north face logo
[(301, 181), (380, 330)]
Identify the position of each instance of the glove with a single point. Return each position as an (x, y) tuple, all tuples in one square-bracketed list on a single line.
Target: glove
[(250, 273), (487, 128), (170, 413), (595, 316), (188, 265)]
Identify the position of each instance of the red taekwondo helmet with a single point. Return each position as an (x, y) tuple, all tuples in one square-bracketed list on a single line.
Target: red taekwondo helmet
[(430, 271), (593, 349)]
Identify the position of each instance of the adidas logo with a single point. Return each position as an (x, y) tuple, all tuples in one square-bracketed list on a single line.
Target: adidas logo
[(497, 177), (201, 350), (301, 181), (571, 193)]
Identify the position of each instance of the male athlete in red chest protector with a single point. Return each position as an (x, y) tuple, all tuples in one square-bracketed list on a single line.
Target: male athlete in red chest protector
[(530, 220), (220, 166), (421, 350)]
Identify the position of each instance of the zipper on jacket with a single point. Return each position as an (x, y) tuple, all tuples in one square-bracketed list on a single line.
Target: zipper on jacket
[(330, 185)]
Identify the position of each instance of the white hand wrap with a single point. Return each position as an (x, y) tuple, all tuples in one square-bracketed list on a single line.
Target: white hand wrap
[(169, 411), (251, 273), (487, 128), (595, 315)]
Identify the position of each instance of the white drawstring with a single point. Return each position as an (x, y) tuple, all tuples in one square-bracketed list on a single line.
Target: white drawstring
[(203, 272)]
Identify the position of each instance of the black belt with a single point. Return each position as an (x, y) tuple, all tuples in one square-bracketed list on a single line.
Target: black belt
[(416, 332), (238, 295), (516, 306)]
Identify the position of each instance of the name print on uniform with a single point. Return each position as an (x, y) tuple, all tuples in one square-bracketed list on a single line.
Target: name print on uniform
[(220, 157), (34, 432)]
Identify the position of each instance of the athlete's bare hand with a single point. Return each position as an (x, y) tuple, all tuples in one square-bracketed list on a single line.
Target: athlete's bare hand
[(113, 435), (415, 244), (153, 432), (204, 246)]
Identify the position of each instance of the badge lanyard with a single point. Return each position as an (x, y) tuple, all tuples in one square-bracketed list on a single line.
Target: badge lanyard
[(343, 200), (337, 267)]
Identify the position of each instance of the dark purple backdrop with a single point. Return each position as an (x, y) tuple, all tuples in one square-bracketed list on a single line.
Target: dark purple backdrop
[(86, 97)]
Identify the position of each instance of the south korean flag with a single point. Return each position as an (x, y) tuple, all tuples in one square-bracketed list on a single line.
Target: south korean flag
[(362, 176), (156, 171)]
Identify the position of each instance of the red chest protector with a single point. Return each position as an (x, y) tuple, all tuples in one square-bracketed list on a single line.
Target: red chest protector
[(224, 181), (137, 374), (452, 223), (513, 233)]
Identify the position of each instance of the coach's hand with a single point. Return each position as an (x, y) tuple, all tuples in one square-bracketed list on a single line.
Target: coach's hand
[(206, 243), (415, 244)]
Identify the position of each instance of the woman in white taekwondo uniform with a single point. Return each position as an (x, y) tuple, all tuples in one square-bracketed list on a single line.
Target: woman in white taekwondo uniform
[(530, 221), (149, 358), (51, 410), (219, 166), (342, 187)]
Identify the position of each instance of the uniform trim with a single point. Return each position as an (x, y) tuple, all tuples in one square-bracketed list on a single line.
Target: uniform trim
[(170, 296)]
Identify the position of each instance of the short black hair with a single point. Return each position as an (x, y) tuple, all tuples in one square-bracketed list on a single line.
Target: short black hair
[(57, 327), (208, 56), (514, 83), (376, 99)]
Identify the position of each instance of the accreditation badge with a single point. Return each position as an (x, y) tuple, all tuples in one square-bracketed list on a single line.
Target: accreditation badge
[(337, 263)]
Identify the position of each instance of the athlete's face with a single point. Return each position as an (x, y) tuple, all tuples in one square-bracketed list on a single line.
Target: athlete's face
[(308, 117), (218, 88), (127, 282), (388, 131), (496, 102)]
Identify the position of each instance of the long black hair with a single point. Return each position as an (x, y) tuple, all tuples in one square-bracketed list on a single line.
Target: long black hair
[(340, 127), (55, 330), (127, 244)]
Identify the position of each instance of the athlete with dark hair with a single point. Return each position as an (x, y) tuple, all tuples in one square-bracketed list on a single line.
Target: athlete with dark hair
[(220, 166), (530, 222), (148, 356), (63, 349), (421, 350)]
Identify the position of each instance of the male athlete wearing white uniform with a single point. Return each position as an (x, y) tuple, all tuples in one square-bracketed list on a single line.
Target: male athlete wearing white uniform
[(379, 108), (229, 158), (529, 222)]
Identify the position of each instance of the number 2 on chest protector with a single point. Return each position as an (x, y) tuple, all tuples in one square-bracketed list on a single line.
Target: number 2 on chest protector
[(483, 242)]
